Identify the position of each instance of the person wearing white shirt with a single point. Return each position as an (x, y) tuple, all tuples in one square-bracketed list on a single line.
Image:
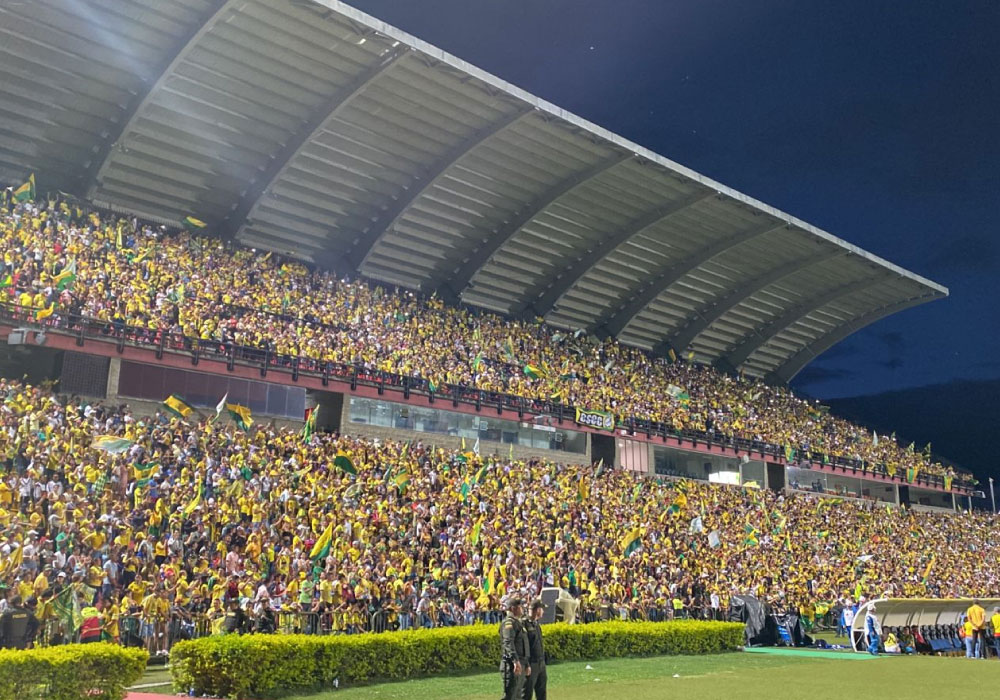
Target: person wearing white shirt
[(848, 615)]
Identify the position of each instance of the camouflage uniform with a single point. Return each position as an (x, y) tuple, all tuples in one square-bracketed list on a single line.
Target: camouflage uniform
[(514, 647)]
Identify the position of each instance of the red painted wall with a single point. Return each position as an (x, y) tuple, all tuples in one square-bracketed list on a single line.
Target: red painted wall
[(212, 365)]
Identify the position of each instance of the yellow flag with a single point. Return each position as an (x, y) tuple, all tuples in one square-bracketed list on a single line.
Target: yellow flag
[(195, 502), (42, 314), (322, 545)]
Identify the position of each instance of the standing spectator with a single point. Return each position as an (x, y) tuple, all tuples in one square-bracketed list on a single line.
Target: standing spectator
[(470, 607), (967, 633), (995, 623), (977, 616), (847, 617)]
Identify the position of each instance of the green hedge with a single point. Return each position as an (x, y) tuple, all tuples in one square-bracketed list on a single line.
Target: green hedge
[(72, 672), (266, 665)]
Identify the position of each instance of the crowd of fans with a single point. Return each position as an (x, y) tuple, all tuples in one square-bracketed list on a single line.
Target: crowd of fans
[(126, 273), (199, 524)]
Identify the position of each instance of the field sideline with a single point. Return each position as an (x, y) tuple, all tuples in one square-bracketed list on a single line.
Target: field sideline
[(723, 676)]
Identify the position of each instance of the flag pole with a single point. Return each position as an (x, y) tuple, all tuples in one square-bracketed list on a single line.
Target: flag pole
[(993, 497)]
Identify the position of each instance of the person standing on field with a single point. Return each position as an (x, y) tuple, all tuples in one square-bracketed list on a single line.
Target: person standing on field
[(514, 648), (535, 682), (977, 616)]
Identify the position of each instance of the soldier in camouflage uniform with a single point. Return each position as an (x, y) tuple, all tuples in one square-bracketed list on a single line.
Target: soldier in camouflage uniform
[(514, 648)]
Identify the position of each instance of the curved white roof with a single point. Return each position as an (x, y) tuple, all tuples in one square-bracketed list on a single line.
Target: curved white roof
[(310, 128)]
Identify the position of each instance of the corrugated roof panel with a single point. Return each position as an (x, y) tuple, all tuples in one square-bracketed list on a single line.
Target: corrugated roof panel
[(417, 171)]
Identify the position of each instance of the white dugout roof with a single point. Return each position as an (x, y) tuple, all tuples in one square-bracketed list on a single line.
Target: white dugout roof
[(308, 127)]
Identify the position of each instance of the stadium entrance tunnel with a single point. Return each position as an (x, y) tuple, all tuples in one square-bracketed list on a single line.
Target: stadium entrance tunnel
[(775, 476), (23, 354), (331, 408), (937, 618), (602, 447)]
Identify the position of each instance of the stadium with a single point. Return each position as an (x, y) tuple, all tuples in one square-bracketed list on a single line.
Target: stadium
[(325, 347)]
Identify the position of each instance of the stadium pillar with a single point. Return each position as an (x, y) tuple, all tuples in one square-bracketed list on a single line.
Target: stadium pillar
[(114, 373)]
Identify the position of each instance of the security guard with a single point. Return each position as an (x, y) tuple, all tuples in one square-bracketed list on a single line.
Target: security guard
[(18, 625), (514, 647), (536, 679)]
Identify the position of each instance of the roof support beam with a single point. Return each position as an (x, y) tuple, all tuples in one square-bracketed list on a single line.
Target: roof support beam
[(309, 129), (708, 315), (558, 286), (98, 165), (793, 365), (500, 236), (761, 336), (618, 320), (388, 219)]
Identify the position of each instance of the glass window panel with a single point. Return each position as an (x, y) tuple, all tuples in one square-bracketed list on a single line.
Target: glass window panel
[(753, 471), (296, 403)]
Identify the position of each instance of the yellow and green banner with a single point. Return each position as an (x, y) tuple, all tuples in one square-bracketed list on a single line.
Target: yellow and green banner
[(26, 192), (178, 406), (599, 420)]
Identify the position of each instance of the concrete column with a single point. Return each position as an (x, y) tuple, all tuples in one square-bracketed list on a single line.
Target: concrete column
[(114, 372)]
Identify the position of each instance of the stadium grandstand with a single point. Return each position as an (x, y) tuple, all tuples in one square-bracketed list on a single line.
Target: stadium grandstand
[(305, 315)]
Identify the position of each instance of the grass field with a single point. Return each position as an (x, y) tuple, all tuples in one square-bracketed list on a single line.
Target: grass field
[(726, 676)]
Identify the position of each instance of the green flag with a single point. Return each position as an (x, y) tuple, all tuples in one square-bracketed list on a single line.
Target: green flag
[(26, 192), (533, 372), (402, 480), (240, 414), (631, 541), (310, 426), (321, 548), (345, 464), (178, 406), (111, 444), (66, 278), (66, 607)]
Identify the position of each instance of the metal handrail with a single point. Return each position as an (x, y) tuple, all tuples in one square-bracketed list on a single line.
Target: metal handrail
[(266, 359)]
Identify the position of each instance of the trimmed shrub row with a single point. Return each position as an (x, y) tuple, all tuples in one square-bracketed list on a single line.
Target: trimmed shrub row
[(72, 672), (267, 665)]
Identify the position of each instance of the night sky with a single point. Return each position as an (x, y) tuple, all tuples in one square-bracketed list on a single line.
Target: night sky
[(876, 121)]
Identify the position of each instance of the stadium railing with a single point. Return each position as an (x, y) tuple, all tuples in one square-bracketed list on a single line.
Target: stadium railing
[(84, 328)]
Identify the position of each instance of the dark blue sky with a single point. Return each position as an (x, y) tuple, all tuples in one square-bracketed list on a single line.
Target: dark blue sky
[(876, 121)]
